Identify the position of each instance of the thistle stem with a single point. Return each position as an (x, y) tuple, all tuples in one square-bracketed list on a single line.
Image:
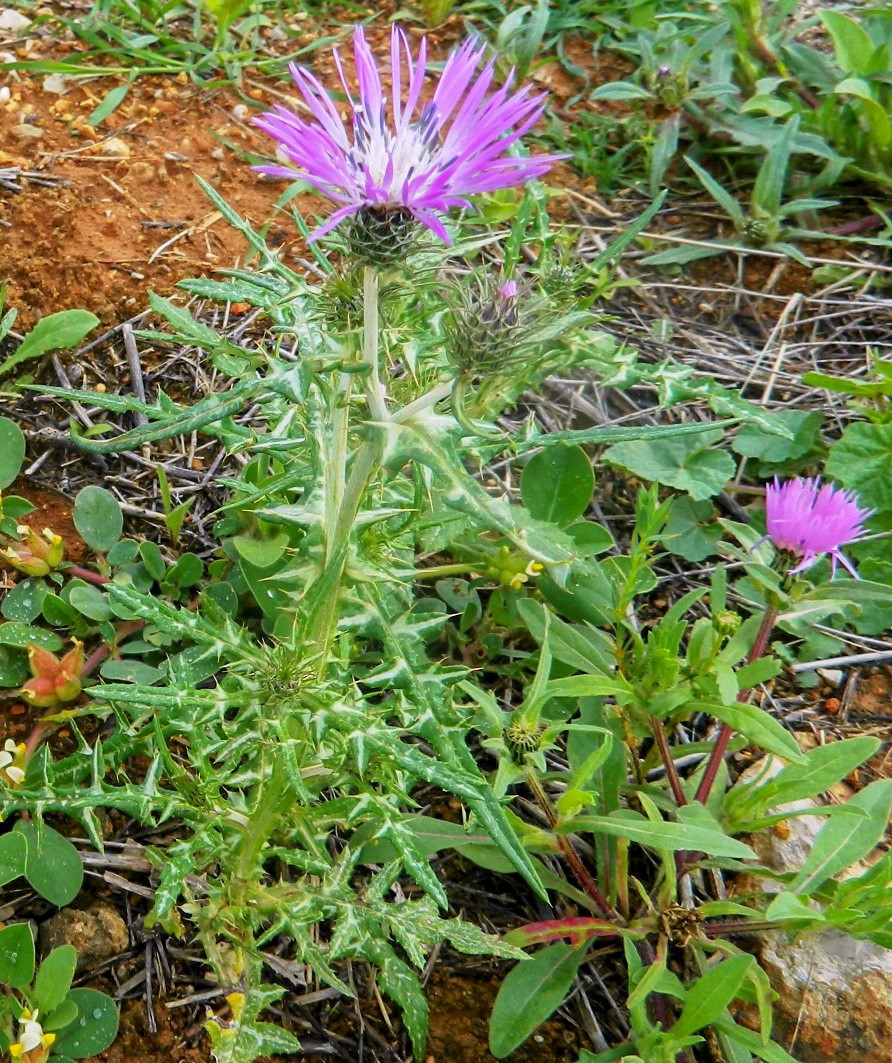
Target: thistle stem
[(336, 461), (725, 732), (377, 406), (344, 494)]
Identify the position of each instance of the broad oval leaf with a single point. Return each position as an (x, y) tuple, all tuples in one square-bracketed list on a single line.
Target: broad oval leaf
[(98, 518), (557, 484), (16, 955), (54, 866), (13, 857), (12, 451), (93, 1030)]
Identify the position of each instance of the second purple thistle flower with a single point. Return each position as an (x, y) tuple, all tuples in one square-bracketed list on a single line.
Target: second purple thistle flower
[(399, 152), (809, 520)]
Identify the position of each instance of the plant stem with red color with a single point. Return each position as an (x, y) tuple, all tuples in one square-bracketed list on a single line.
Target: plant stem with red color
[(579, 869), (101, 652), (87, 575), (668, 763), (725, 732)]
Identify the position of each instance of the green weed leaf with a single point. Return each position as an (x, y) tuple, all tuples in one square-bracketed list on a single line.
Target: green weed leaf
[(12, 451), (531, 992), (844, 840), (54, 866), (98, 518), (93, 1030), (711, 994), (557, 484), (54, 978), (56, 332), (686, 464), (16, 955)]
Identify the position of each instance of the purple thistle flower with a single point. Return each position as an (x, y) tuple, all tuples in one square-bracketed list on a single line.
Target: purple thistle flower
[(809, 520), (398, 154)]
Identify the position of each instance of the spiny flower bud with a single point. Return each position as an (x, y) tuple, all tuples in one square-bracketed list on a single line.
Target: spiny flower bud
[(380, 236), (284, 674), (36, 555), (522, 737), (340, 300), (54, 681), (760, 231), (486, 328)]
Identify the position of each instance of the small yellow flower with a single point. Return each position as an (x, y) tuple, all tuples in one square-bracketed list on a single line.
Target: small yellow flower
[(12, 762), (512, 569)]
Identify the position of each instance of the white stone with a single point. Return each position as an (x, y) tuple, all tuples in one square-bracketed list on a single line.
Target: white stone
[(114, 148), (12, 20), (57, 84)]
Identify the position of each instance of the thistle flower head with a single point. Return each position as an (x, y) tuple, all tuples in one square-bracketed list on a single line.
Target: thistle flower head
[(808, 520), (398, 153)]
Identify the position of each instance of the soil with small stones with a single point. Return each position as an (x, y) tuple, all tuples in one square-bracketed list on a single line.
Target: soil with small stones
[(127, 214), (122, 214)]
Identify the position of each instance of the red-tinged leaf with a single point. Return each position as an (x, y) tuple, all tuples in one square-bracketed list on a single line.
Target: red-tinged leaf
[(576, 928)]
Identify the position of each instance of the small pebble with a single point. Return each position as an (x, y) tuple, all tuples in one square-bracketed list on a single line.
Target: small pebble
[(55, 83), (114, 149), (12, 20)]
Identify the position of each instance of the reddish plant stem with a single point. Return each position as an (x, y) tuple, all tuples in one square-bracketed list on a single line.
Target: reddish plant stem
[(764, 51), (87, 575), (101, 652), (668, 763), (34, 740), (579, 869), (725, 732), (659, 1003), (860, 225)]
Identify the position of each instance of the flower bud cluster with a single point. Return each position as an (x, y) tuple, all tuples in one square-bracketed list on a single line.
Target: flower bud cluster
[(54, 681), (35, 555)]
